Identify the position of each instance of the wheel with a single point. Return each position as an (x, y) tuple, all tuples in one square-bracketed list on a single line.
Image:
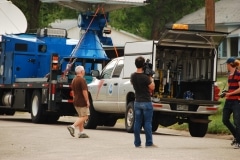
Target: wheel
[(197, 129), (52, 118), (155, 123), (2, 111), (91, 123), (154, 126), (110, 122), (37, 110), (10, 112), (129, 117)]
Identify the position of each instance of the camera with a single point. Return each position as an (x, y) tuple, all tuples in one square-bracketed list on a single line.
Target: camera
[(223, 93), (147, 68)]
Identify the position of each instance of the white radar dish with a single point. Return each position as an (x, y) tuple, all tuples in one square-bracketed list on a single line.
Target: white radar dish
[(12, 19), (107, 5)]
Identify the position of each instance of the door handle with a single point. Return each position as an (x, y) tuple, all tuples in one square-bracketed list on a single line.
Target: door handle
[(105, 84), (115, 84)]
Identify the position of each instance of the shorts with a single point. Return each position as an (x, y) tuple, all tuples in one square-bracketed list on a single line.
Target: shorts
[(82, 111)]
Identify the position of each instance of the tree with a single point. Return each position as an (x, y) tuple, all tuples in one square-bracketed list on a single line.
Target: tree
[(149, 21), (31, 11), (40, 14), (51, 11)]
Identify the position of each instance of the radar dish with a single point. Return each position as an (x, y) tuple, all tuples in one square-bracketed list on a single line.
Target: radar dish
[(108, 5), (12, 19)]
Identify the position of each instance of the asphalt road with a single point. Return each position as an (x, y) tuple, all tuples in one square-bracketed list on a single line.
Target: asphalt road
[(22, 140)]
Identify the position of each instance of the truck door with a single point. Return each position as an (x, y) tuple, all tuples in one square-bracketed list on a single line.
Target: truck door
[(6, 67), (25, 65), (103, 88), (109, 91), (133, 50), (114, 84), (203, 63)]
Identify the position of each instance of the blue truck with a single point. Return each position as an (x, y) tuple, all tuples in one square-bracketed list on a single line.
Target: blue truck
[(37, 69)]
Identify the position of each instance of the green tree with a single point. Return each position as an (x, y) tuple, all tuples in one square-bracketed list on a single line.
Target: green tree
[(40, 14), (31, 9), (49, 12), (148, 21)]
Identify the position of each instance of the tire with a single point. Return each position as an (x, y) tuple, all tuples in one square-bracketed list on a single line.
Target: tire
[(37, 109), (52, 118), (197, 129), (91, 122), (155, 122), (154, 125), (110, 122), (129, 117), (2, 111), (10, 112)]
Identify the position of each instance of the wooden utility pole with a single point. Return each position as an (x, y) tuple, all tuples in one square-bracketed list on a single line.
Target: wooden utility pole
[(210, 15)]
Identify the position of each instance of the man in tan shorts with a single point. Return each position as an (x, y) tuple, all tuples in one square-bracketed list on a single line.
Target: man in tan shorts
[(80, 102)]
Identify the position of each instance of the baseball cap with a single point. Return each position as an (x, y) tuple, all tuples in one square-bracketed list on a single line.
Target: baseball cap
[(230, 60)]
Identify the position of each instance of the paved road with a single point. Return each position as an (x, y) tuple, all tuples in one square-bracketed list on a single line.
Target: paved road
[(22, 140)]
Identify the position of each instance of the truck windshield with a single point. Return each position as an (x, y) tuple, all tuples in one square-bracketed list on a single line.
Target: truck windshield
[(89, 67)]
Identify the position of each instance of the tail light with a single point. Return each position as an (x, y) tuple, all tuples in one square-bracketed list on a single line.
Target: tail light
[(71, 93), (216, 93), (55, 60)]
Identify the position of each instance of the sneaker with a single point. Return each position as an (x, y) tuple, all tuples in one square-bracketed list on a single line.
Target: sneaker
[(152, 146), (234, 141), (71, 130), (138, 146), (237, 146), (83, 135)]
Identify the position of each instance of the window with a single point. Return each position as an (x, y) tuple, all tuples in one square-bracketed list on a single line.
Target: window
[(118, 69), (106, 74), (21, 47), (42, 48), (223, 49), (234, 46)]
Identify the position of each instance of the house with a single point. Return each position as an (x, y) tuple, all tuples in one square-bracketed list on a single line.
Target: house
[(227, 19)]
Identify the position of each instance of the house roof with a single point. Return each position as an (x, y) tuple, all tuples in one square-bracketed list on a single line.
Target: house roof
[(226, 12), (65, 24)]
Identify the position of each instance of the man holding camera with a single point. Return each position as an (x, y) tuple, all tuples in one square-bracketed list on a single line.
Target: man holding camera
[(143, 84), (232, 103)]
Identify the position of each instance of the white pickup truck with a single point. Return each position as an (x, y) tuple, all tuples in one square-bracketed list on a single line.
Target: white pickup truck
[(185, 65)]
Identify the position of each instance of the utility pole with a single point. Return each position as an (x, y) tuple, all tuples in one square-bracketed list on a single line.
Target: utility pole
[(210, 15)]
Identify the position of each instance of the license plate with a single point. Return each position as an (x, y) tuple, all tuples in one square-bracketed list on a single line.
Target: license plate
[(181, 107)]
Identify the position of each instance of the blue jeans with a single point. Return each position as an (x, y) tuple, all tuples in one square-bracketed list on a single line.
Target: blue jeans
[(232, 107), (143, 112)]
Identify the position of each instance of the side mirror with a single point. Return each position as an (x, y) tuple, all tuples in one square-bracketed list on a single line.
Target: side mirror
[(95, 73)]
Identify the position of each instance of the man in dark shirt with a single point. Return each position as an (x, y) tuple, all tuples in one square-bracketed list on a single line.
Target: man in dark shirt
[(143, 109), (80, 102)]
